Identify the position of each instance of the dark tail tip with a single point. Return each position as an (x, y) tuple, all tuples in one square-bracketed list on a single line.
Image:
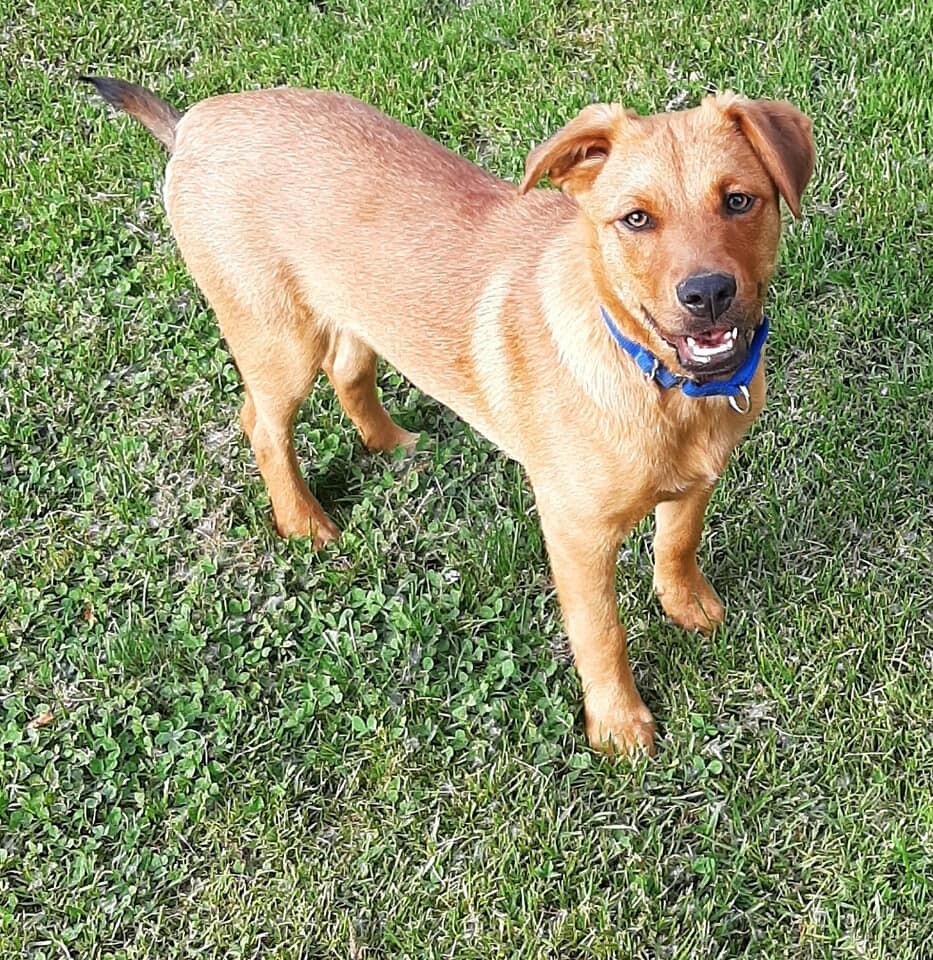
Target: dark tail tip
[(155, 114), (113, 91)]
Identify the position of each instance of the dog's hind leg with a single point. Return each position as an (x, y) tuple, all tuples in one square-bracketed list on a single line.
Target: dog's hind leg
[(278, 359), (351, 367)]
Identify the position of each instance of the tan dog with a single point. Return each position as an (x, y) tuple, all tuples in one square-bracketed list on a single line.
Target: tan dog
[(324, 233)]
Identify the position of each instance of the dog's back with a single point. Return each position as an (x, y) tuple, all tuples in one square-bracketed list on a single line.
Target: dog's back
[(316, 210)]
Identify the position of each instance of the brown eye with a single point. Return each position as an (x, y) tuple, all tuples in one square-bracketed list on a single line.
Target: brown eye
[(739, 202), (637, 220)]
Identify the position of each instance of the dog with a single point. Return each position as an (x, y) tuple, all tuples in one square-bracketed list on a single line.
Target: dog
[(608, 334)]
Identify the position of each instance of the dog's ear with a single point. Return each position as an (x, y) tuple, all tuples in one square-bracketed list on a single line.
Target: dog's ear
[(577, 152), (783, 139)]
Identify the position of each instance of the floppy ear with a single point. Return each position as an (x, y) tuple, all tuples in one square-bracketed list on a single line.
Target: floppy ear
[(577, 152), (783, 139)]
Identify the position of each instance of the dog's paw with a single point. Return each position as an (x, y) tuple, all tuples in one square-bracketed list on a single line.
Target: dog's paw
[(691, 603), (324, 531), (308, 522), (391, 439), (617, 729), (408, 441)]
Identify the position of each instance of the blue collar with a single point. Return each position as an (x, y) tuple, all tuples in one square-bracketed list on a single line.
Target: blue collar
[(653, 369)]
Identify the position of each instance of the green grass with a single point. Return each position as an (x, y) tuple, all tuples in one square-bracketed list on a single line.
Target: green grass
[(255, 751)]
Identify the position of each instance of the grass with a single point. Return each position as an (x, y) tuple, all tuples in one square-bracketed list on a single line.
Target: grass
[(215, 743)]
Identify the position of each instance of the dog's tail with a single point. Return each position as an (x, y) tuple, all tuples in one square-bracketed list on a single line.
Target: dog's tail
[(159, 117)]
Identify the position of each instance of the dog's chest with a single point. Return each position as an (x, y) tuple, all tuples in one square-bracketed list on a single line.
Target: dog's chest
[(677, 452)]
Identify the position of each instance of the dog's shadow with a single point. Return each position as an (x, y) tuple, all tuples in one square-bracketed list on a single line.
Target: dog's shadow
[(350, 474)]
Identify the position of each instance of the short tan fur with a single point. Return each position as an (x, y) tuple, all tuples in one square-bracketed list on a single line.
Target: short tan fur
[(324, 234)]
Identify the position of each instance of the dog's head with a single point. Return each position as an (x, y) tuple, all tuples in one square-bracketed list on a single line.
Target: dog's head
[(685, 213)]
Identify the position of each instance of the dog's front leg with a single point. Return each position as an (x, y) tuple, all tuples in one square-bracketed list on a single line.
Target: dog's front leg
[(685, 593), (583, 552)]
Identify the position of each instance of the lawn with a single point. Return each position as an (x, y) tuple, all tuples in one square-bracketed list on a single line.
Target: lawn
[(215, 743)]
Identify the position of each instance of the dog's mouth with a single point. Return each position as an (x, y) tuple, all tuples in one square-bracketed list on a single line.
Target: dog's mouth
[(714, 351), (709, 354)]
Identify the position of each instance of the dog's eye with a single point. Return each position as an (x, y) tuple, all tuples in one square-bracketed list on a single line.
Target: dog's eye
[(637, 220), (739, 202)]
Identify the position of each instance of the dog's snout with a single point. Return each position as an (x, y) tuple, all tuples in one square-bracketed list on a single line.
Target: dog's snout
[(707, 295)]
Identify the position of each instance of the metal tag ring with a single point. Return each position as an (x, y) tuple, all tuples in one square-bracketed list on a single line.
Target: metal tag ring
[(743, 391)]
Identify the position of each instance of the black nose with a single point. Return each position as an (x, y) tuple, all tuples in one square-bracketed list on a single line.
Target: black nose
[(707, 295)]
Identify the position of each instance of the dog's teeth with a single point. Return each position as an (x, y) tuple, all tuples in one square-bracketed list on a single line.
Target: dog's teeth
[(702, 354), (723, 347)]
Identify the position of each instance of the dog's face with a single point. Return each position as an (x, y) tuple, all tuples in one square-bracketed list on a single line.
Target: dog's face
[(685, 213)]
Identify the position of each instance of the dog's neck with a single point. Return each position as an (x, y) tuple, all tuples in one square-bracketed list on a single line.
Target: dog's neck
[(570, 302), (571, 296)]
